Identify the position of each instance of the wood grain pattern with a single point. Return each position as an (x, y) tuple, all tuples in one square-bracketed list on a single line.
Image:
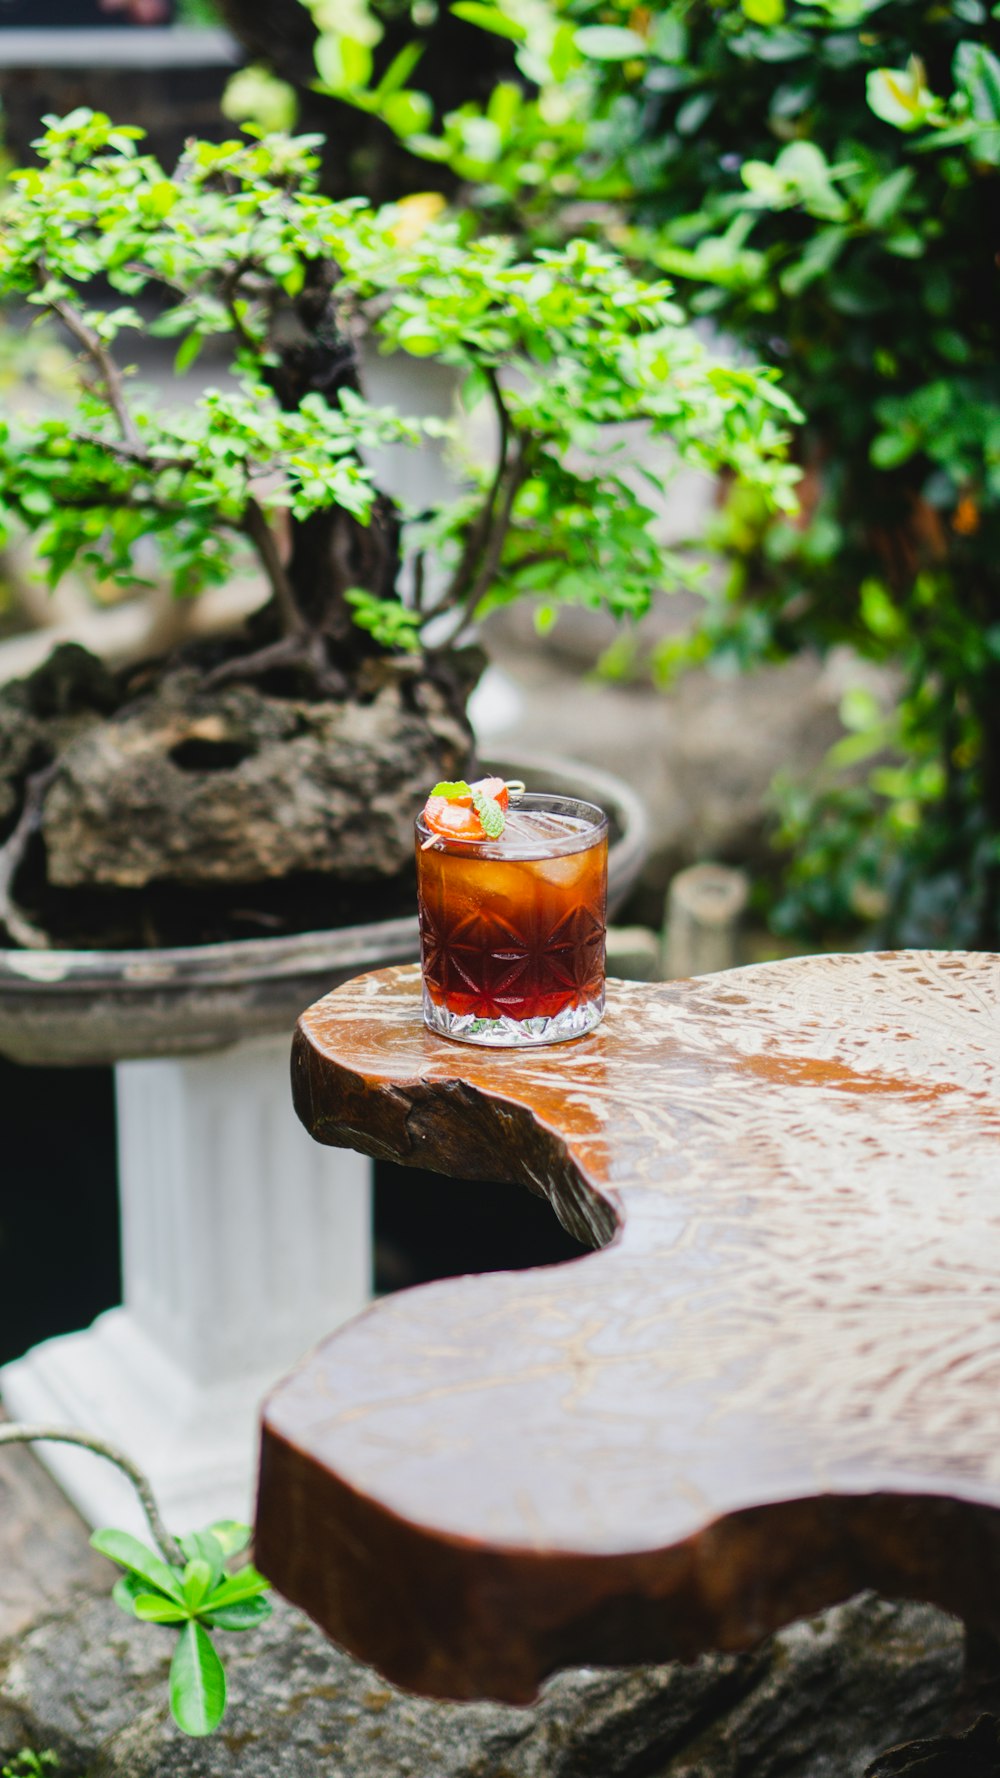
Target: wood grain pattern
[(776, 1382)]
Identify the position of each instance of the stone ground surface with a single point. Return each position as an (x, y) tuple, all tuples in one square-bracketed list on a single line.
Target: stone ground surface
[(45, 1559), (818, 1701), (821, 1700)]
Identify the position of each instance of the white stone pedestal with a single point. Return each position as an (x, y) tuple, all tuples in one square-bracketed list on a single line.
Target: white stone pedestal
[(244, 1242)]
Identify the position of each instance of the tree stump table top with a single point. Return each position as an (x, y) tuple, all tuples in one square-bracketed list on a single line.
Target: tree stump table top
[(776, 1382)]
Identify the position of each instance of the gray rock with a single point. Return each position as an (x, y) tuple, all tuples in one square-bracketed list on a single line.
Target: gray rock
[(839, 1688), (20, 737), (819, 1699), (976, 1754), (45, 1557), (198, 786), (75, 1679), (42, 714)]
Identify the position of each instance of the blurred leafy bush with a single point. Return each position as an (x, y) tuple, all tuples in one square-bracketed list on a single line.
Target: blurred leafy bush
[(820, 178), (824, 174)]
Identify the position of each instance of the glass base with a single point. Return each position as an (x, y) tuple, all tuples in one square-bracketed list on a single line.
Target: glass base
[(509, 1034)]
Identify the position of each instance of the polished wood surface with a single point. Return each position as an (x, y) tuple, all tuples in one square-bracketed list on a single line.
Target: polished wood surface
[(776, 1381)]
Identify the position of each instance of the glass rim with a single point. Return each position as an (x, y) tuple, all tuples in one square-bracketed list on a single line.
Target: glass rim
[(544, 801)]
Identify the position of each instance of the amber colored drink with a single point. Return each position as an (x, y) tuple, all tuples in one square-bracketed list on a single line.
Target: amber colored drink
[(512, 931)]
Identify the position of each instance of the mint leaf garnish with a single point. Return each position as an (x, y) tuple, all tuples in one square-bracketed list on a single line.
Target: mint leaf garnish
[(490, 814), (452, 791)]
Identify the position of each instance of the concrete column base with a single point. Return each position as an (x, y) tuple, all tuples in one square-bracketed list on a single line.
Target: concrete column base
[(244, 1242)]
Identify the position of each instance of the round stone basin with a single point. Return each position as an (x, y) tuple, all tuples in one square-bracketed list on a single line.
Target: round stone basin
[(87, 1007)]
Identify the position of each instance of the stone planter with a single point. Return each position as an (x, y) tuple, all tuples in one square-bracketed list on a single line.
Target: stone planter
[(84, 1007), (243, 1242)]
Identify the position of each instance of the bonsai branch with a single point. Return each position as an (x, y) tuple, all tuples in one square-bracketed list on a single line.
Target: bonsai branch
[(229, 290), (305, 649), (301, 645), (479, 531), (106, 367), (139, 453), (516, 476), (100, 498), (263, 539), (505, 424), (536, 558), (21, 1434)]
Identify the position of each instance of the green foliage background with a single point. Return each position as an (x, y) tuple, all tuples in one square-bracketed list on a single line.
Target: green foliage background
[(820, 177)]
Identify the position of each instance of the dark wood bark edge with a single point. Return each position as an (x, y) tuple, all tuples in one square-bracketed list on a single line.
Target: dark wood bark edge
[(742, 1578)]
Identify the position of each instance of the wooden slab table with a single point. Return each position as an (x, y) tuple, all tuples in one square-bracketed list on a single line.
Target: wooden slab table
[(776, 1382)]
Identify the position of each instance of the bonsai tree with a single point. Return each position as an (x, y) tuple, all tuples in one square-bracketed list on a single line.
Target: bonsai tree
[(820, 176), (300, 750)]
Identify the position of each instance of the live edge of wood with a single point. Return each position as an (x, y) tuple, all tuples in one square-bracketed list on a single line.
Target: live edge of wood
[(773, 1385)]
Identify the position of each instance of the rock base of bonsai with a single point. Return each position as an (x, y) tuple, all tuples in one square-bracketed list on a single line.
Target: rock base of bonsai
[(170, 810), (819, 1700), (976, 1754)]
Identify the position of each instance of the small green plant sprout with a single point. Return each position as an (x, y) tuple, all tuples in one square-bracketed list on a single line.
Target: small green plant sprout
[(182, 1584), (29, 1764), (236, 250), (194, 1598)]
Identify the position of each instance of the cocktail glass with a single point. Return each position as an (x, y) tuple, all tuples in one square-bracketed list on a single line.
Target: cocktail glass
[(512, 930)]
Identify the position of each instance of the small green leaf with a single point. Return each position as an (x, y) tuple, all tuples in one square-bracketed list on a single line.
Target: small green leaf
[(231, 1535), (399, 70), (490, 814), (407, 113), (247, 1584), (887, 197), (152, 1608), (417, 337), (490, 18), (878, 613), (890, 449), (126, 1590), (859, 709), (977, 73), (128, 1552), (764, 12), (901, 96), (204, 1546), (244, 1614), (37, 502), (197, 1683), (343, 63), (188, 351), (610, 43), (818, 257), (198, 1581), (693, 113), (161, 198), (452, 790)]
